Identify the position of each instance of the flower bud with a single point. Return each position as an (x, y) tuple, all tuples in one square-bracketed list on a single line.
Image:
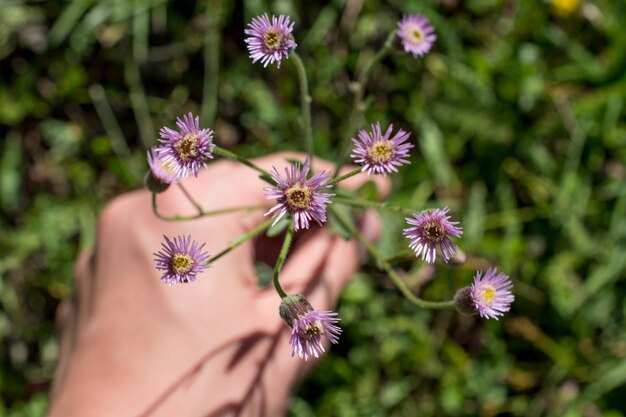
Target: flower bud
[(154, 184), (464, 302)]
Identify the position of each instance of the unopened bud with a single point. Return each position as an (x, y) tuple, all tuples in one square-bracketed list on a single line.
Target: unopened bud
[(294, 307), (464, 303)]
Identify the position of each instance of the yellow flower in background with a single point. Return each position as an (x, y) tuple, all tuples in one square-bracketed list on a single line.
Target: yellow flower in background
[(564, 7)]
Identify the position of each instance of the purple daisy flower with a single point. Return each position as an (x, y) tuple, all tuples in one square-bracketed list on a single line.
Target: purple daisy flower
[(180, 259), (308, 326), (303, 198), (159, 171), (378, 153), (417, 34), (186, 151), (492, 293), (432, 228), (270, 41)]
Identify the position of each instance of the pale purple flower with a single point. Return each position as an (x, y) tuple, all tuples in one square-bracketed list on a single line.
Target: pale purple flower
[(159, 170), (180, 259), (417, 34), (492, 293), (270, 41), (308, 326), (187, 150), (304, 198), (381, 154), (432, 228)]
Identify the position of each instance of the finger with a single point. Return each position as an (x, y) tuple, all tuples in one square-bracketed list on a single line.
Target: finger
[(67, 317)]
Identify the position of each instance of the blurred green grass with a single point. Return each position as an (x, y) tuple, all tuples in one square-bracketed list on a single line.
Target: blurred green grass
[(518, 116)]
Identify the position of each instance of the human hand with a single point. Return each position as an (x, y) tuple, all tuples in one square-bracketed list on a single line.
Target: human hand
[(131, 345)]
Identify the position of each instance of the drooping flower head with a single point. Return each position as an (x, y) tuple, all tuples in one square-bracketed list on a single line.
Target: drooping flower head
[(432, 228), (187, 150), (270, 40), (417, 34), (308, 326), (160, 176), (381, 154), (304, 198), (492, 293), (180, 259)]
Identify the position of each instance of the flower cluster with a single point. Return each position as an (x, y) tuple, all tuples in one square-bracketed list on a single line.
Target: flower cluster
[(303, 197)]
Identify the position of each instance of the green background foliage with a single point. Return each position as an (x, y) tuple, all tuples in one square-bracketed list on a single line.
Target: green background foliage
[(519, 124)]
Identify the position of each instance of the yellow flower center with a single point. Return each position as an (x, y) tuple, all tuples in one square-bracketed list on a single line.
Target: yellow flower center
[(417, 35), (382, 151), (434, 230), (272, 39), (182, 263), (312, 329), (488, 292), (298, 196), (187, 147)]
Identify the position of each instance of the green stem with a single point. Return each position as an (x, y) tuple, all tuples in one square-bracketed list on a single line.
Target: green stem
[(305, 99), (203, 213), (281, 260), (190, 198), (349, 201), (266, 176), (211, 54), (358, 106), (344, 177), (241, 239), (380, 259)]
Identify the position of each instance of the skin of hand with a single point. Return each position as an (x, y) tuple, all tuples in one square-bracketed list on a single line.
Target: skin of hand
[(132, 346)]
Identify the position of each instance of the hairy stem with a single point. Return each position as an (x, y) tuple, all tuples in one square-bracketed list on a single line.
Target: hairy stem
[(305, 99), (265, 176), (241, 239), (202, 213), (281, 260), (349, 201), (344, 177), (380, 259)]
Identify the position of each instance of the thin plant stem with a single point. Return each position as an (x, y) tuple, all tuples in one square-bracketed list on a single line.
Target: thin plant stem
[(266, 176), (344, 177), (241, 239), (349, 201), (383, 264), (190, 198), (155, 210), (305, 99), (139, 102), (211, 55), (281, 260), (358, 106)]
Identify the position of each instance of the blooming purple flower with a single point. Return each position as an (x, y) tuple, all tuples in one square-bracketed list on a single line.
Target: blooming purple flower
[(180, 260), (308, 326), (377, 153), (492, 293), (432, 228), (303, 198), (159, 170), (270, 41), (417, 34), (187, 150)]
